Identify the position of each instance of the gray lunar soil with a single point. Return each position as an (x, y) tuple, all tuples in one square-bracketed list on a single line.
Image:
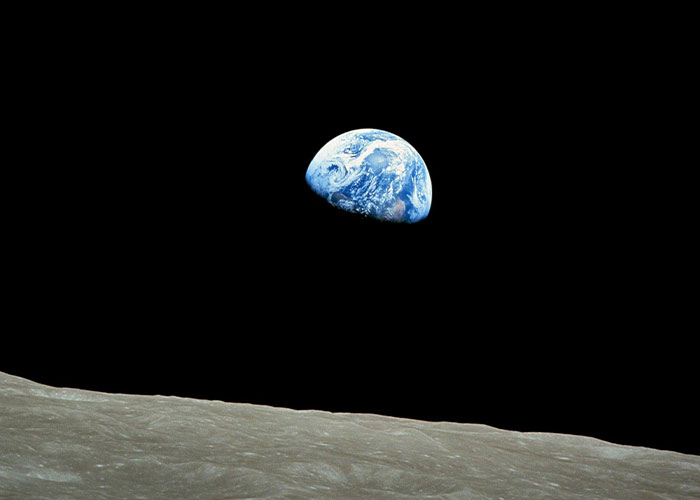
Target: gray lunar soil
[(72, 444)]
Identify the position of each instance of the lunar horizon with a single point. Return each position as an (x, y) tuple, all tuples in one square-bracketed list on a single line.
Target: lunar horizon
[(69, 443)]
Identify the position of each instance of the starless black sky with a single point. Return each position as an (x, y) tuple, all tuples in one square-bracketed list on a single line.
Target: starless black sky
[(165, 241)]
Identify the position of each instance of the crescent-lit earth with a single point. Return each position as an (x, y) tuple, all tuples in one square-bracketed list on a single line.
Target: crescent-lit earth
[(373, 173)]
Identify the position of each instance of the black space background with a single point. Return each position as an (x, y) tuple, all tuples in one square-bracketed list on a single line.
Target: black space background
[(162, 239)]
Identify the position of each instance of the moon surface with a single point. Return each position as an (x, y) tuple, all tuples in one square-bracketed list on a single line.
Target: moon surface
[(73, 444)]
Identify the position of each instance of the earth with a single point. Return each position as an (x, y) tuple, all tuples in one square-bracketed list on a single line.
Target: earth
[(373, 173)]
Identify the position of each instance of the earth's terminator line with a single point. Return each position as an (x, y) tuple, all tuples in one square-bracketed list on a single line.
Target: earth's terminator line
[(374, 173)]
